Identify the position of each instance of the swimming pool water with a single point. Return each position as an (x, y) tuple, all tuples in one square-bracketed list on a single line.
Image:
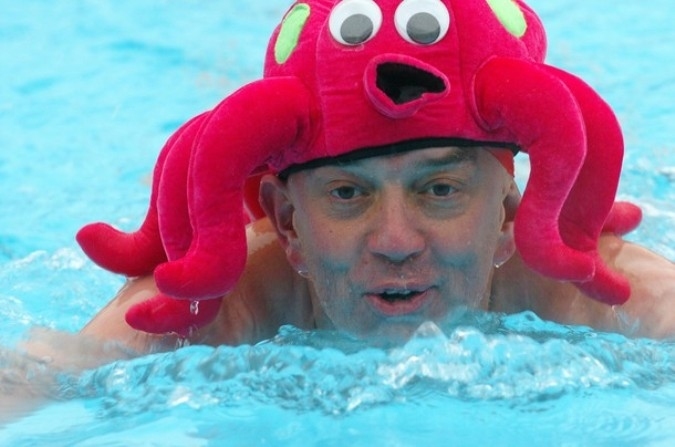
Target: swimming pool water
[(91, 89)]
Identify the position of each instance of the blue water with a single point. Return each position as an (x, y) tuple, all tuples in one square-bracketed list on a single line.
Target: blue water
[(91, 89)]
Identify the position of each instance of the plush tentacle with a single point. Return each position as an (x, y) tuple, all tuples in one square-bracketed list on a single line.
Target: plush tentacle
[(607, 285), (221, 162), (592, 198), (543, 117), (224, 157), (623, 218), (172, 203), (136, 253), (162, 314)]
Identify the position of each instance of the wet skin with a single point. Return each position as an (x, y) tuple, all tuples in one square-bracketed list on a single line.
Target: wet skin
[(390, 242)]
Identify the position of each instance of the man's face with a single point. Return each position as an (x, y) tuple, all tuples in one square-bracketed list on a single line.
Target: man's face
[(390, 242)]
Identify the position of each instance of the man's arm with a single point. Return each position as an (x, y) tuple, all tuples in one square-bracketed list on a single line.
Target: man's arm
[(650, 311), (109, 324), (268, 295)]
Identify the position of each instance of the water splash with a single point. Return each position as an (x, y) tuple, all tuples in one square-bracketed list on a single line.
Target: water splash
[(326, 372), (194, 307)]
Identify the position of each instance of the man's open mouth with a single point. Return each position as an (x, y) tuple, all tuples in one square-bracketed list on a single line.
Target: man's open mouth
[(393, 296), (395, 302)]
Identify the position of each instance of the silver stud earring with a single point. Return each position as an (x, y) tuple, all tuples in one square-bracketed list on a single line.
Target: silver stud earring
[(303, 272)]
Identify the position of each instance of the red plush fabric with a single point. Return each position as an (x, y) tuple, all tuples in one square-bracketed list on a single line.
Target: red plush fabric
[(330, 90), (138, 253), (505, 158), (162, 314)]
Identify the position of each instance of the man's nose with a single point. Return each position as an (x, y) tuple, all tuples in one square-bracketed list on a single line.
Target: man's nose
[(396, 233)]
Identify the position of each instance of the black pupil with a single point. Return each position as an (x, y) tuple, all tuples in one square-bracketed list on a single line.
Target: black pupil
[(346, 193), (441, 190), (424, 28), (356, 29)]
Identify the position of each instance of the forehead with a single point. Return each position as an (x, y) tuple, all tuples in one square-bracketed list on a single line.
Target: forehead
[(412, 162)]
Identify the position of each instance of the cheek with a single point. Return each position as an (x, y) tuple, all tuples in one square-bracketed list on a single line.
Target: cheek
[(473, 235), (467, 247), (325, 244), (329, 252)]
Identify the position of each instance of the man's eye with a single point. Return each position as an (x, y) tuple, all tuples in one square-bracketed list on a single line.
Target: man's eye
[(441, 189), (344, 192)]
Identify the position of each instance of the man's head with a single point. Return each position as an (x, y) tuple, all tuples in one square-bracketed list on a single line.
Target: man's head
[(388, 242)]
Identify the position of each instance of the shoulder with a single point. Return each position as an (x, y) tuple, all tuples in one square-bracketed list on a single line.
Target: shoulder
[(649, 312), (268, 295)]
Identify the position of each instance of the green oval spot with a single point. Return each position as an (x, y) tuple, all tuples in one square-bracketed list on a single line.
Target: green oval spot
[(510, 15), (289, 35)]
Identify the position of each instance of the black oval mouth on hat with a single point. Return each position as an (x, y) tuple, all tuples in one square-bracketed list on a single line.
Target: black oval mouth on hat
[(404, 83)]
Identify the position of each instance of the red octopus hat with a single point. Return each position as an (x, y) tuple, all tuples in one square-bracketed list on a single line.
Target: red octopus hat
[(364, 77)]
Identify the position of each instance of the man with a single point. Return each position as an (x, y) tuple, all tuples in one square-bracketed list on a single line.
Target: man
[(377, 246), (391, 125), (374, 248)]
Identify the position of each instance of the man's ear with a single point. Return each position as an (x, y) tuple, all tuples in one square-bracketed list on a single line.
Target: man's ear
[(279, 208), (506, 244)]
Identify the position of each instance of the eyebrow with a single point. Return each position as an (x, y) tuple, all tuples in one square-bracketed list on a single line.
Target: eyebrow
[(456, 157)]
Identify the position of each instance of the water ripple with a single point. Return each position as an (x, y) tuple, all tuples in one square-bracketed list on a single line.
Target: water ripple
[(465, 363)]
